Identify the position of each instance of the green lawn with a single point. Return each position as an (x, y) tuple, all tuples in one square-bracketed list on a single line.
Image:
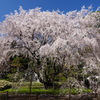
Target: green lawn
[(35, 90), (38, 88)]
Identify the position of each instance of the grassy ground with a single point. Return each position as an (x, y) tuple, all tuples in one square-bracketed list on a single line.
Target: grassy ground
[(38, 88), (47, 91)]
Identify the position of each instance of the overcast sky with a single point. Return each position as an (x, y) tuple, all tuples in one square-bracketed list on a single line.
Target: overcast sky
[(7, 6)]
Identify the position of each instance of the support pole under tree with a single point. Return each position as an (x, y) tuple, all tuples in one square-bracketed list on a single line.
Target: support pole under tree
[(31, 79)]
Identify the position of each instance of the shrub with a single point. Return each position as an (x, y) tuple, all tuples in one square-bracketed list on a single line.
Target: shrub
[(5, 85)]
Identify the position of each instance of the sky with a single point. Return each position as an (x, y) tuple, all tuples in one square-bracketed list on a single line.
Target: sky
[(8, 6)]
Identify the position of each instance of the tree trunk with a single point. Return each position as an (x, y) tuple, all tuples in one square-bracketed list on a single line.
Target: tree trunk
[(48, 85)]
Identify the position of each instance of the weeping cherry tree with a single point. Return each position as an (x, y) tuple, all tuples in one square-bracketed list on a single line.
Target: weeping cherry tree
[(53, 40)]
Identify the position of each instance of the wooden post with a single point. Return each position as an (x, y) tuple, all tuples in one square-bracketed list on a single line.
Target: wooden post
[(37, 96), (7, 95)]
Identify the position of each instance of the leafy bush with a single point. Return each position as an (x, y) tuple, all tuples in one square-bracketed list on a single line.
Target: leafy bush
[(5, 85), (76, 91)]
